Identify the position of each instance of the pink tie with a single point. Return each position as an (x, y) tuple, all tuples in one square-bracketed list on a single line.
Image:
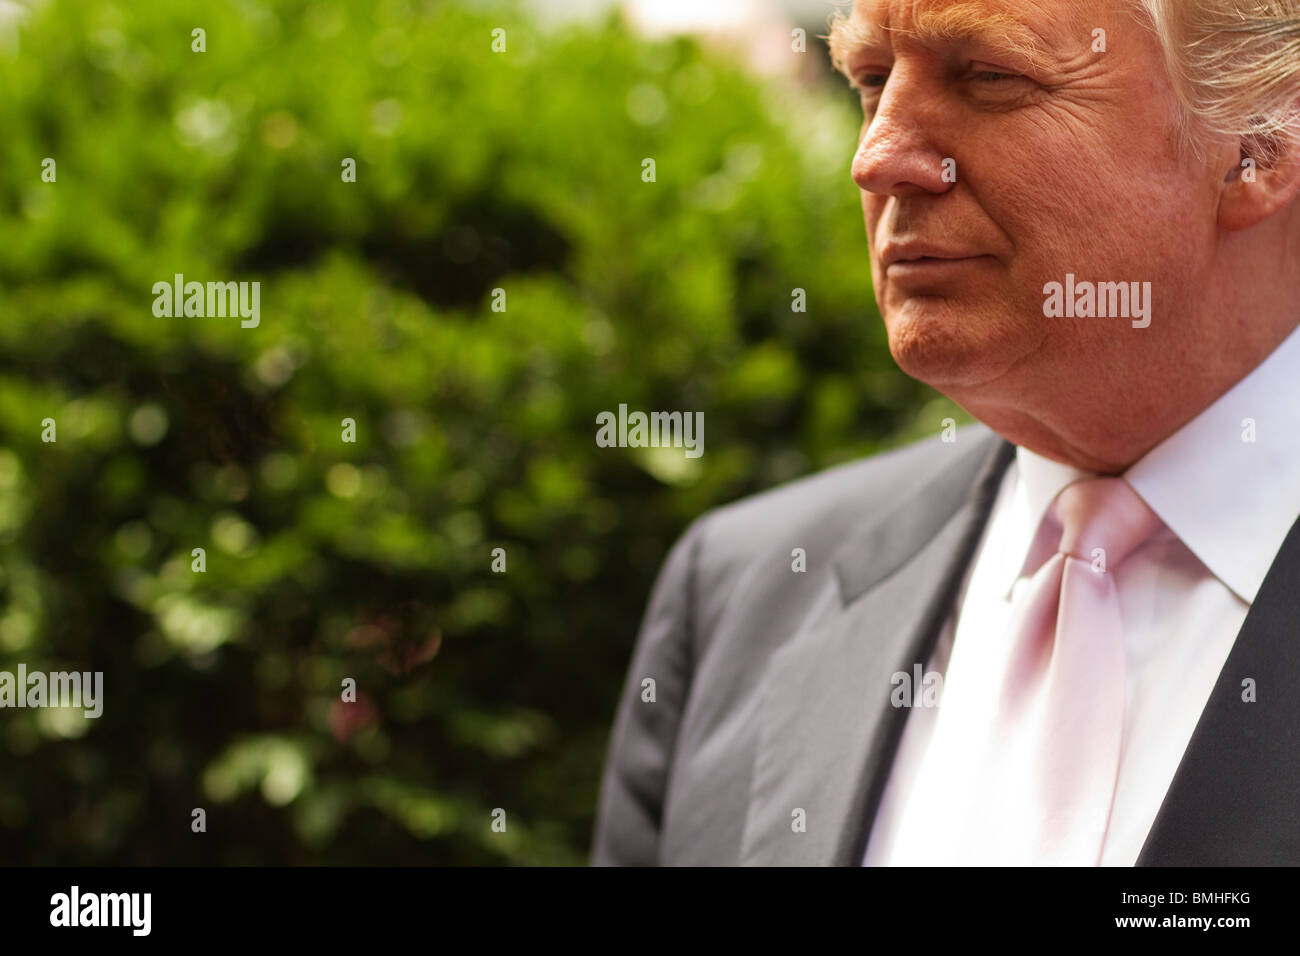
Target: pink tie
[(1025, 755)]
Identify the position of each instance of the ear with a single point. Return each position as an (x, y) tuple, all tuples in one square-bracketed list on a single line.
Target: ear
[(1265, 181)]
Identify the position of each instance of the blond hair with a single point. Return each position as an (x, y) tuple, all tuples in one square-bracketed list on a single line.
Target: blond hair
[(1235, 66)]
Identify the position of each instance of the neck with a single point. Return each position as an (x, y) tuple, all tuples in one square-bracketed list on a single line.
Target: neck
[(1103, 423)]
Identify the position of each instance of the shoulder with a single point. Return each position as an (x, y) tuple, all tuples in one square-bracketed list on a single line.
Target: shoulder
[(824, 508)]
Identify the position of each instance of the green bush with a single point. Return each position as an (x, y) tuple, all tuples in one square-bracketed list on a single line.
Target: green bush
[(474, 428)]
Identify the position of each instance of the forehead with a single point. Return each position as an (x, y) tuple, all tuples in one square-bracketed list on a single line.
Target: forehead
[(897, 13), (1034, 29)]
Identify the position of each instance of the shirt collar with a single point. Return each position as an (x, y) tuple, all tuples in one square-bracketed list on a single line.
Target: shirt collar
[(1227, 483)]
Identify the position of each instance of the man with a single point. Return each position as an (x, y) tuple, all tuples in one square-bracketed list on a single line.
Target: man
[(1068, 637)]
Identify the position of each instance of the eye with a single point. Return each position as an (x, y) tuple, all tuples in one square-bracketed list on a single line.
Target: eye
[(991, 74), (994, 76), (868, 85), (994, 86)]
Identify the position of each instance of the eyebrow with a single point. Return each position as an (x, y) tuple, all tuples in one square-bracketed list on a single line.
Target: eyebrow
[(942, 21)]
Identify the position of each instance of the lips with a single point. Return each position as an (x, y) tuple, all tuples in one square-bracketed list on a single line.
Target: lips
[(894, 253)]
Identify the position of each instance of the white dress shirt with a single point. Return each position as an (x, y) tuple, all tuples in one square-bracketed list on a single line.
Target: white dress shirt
[(1227, 487)]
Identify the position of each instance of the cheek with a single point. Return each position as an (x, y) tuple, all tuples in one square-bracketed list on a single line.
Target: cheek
[(1075, 212), (1052, 188), (1090, 191), (1143, 233)]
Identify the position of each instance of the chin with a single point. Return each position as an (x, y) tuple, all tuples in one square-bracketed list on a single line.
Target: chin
[(950, 353)]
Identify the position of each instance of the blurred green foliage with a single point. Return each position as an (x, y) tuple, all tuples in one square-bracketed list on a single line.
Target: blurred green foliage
[(474, 429)]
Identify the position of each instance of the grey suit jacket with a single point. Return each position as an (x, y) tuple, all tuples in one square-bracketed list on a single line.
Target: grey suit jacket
[(771, 686)]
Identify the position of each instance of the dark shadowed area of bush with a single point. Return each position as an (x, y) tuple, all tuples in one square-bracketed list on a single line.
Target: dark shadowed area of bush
[(475, 429)]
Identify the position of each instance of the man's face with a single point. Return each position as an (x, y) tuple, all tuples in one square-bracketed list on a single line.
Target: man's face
[(1065, 160)]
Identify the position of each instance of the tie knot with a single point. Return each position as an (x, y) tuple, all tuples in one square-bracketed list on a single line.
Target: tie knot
[(1103, 513)]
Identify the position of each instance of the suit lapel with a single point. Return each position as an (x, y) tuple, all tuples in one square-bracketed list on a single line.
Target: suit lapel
[(828, 733), (1235, 799)]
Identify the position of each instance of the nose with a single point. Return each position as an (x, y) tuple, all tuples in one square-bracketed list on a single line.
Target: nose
[(897, 155)]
